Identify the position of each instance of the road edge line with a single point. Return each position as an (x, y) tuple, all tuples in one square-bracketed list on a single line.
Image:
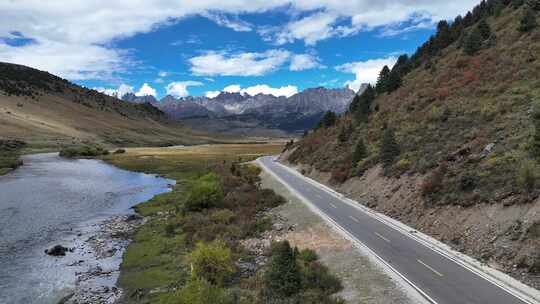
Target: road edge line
[(356, 243), (436, 246)]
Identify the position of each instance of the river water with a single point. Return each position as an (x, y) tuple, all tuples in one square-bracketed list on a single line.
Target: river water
[(52, 200)]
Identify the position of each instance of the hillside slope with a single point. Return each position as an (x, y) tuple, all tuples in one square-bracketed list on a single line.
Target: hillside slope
[(465, 165), (45, 110)]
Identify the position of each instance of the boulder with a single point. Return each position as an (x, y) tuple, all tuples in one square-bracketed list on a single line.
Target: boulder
[(58, 250)]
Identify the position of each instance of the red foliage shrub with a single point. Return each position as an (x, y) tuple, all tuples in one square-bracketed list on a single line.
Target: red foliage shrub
[(434, 182), (443, 93)]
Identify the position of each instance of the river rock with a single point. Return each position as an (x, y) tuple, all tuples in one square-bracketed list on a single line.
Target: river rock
[(58, 250)]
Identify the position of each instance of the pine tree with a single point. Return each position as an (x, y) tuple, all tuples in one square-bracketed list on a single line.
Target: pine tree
[(382, 80), (444, 37), (536, 135), (473, 42), (498, 8), (345, 132), (282, 279), (363, 108), (354, 103), (484, 29), (528, 22), (389, 148), (360, 152), (328, 120), (393, 82)]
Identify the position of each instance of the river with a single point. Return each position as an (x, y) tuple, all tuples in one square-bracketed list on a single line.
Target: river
[(52, 200)]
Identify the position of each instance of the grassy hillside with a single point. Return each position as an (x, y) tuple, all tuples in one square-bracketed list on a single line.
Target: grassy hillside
[(466, 119), (452, 150), (47, 111)]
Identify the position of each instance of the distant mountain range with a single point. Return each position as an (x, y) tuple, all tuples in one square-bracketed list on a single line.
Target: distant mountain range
[(289, 114)]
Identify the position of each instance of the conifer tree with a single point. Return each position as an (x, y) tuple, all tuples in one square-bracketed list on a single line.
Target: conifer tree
[(382, 80), (536, 136), (393, 82), (484, 29), (363, 108), (354, 103), (528, 22), (283, 275), (473, 42), (360, 152), (444, 37), (328, 120), (389, 148)]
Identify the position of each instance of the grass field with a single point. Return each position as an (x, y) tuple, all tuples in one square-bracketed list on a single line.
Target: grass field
[(215, 204)]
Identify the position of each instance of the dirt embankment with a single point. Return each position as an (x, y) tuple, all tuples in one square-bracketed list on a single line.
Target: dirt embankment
[(505, 236)]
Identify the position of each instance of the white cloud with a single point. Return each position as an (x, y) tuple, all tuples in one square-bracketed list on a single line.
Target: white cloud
[(163, 74), (146, 90), (365, 71), (122, 90), (235, 24), (180, 88), (241, 64), (286, 91), (74, 41), (304, 62), (212, 94), (233, 88)]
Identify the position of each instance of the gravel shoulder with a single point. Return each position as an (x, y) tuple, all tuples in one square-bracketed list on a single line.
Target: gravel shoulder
[(363, 280)]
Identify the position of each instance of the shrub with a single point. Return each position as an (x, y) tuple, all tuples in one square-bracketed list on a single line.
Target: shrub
[(360, 152), (120, 151), (83, 151), (403, 165), (205, 193), (199, 291), (212, 262), (434, 182), (527, 176), (308, 255), (223, 216)]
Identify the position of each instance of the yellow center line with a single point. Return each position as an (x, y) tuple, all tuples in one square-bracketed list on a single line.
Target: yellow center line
[(382, 237), (354, 219), (430, 268)]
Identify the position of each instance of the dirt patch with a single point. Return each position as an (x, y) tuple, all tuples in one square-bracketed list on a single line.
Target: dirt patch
[(364, 281)]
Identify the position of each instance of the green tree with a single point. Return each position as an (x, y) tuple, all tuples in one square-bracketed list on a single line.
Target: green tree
[(382, 80), (484, 29), (354, 103), (329, 119), (536, 135), (498, 8), (527, 178), (345, 132), (393, 82), (528, 21), (360, 151), (363, 107), (389, 148), (443, 37), (473, 42), (283, 277), (212, 262)]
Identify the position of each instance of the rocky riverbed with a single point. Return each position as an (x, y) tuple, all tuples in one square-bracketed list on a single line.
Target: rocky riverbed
[(97, 254)]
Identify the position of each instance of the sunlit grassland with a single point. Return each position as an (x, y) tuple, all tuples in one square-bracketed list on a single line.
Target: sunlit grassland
[(157, 259)]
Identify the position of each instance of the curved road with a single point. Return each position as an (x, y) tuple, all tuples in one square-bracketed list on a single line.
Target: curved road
[(440, 279)]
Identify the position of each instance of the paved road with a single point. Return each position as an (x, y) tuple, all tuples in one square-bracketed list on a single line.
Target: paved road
[(443, 280)]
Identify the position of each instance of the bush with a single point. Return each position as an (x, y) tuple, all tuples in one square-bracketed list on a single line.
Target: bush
[(120, 151), (308, 255), (528, 22), (223, 216), (434, 182), (212, 262), (83, 151), (205, 193), (527, 177), (199, 291)]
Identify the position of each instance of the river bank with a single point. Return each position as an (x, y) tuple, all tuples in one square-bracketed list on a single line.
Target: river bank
[(83, 205)]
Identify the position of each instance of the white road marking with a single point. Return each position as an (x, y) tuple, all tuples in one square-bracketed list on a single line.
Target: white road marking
[(333, 205), (382, 237), (430, 268), (354, 219)]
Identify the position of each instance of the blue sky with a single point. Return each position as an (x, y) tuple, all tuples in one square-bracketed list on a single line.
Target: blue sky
[(200, 48)]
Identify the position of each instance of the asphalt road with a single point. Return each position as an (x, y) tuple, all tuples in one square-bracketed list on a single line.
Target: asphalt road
[(440, 278)]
